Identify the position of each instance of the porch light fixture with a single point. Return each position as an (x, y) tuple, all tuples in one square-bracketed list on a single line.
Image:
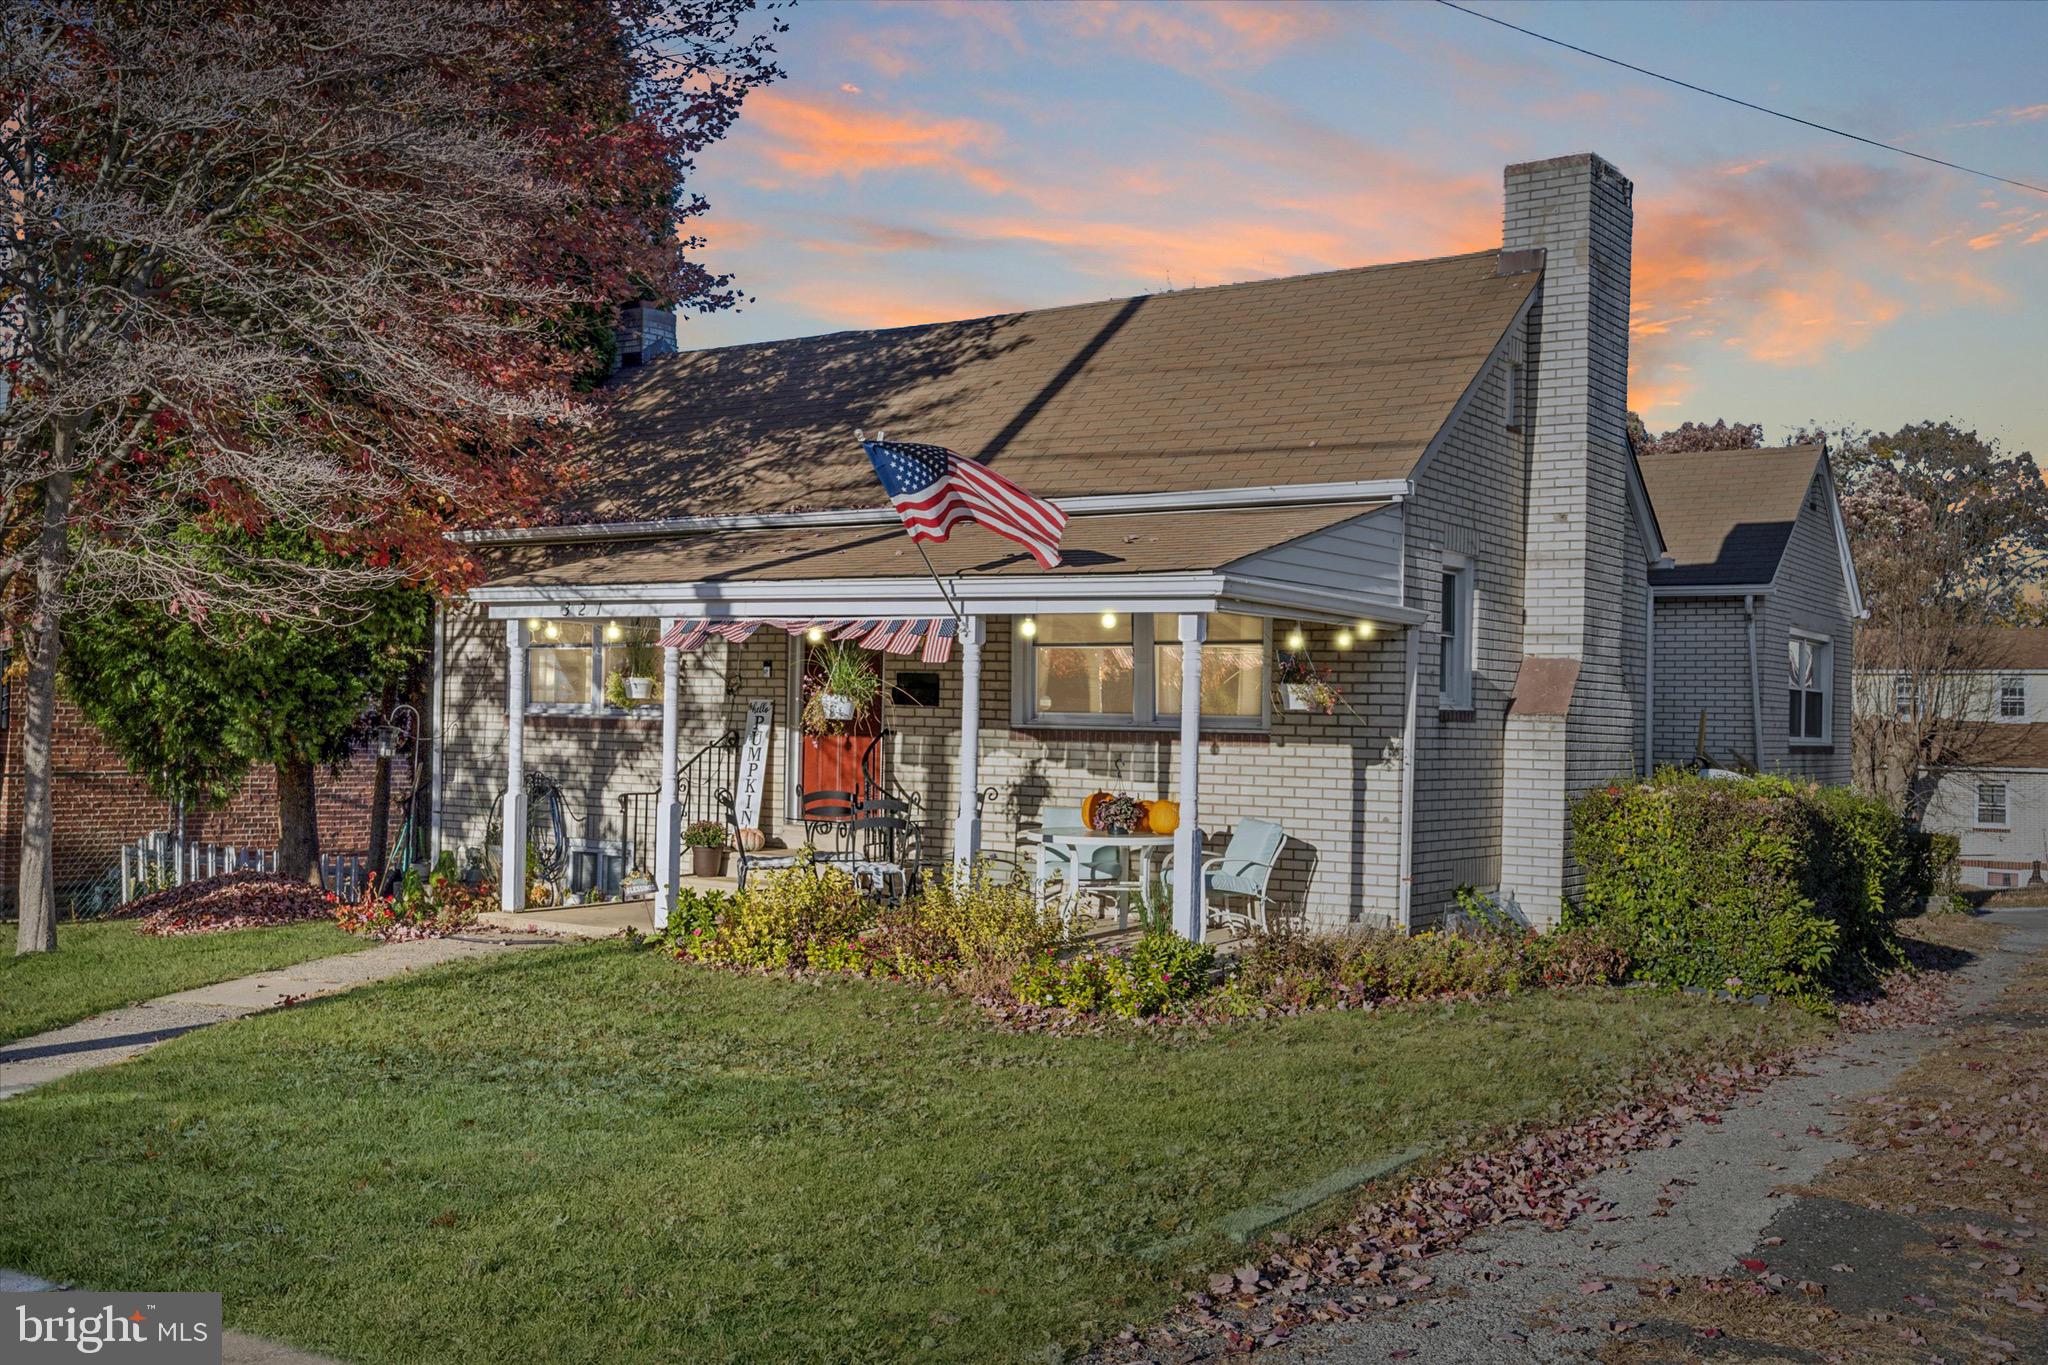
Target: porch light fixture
[(1344, 639), (614, 632), (1109, 620), (387, 740), (1296, 640), (1028, 627)]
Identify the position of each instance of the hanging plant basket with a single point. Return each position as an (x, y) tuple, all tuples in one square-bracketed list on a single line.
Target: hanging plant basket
[(640, 689), (835, 706)]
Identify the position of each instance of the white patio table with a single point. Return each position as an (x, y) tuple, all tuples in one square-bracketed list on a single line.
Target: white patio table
[(1080, 842)]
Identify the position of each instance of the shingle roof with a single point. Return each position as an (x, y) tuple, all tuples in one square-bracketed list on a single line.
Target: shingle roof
[(1727, 515), (1338, 376), (1129, 543), (1994, 647)]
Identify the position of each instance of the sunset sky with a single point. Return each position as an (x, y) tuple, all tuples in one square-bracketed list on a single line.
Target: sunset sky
[(942, 160)]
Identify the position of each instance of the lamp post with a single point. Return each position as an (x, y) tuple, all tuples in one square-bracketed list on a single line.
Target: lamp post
[(398, 732)]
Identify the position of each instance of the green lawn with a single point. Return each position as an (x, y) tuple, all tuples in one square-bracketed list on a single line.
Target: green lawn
[(595, 1154), (105, 964)]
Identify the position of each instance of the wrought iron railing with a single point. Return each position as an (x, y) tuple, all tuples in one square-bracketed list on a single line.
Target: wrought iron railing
[(712, 769)]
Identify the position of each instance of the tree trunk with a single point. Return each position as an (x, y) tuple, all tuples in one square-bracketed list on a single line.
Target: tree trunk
[(298, 822), (380, 796), (36, 893)]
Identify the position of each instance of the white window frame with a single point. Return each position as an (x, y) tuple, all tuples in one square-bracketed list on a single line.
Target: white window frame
[(1905, 697), (1456, 654), (595, 704), (1144, 713), (2010, 682), (1511, 395), (1824, 682), (2004, 806)]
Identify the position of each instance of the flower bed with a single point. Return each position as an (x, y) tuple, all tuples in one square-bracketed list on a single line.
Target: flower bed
[(433, 906), (240, 900)]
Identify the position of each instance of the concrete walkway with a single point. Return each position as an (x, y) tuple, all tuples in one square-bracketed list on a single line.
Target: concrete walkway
[(120, 1034), (1521, 1293)]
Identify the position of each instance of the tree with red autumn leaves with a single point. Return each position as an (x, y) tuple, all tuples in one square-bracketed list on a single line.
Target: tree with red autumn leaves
[(326, 267)]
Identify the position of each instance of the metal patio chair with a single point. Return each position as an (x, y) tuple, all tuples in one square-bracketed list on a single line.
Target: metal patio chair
[(1243, 873)]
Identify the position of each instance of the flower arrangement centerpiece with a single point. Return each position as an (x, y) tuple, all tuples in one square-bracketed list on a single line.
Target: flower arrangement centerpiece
[(1306, 685), (1119, 814)]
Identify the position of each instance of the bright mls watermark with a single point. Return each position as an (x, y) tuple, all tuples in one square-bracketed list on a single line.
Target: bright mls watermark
[(163, 1329)]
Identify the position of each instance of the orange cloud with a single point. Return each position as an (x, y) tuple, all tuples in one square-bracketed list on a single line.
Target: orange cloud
[(1217, 34), (818, 140), (893, 304), (2025, 113)]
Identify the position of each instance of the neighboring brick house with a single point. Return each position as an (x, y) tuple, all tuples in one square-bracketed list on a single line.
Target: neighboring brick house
[(1756, 614), (98, 805), (1416, 474), (1998, 807)]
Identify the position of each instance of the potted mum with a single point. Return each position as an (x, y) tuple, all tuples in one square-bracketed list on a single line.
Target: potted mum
[(848, 685), (1306, 685), (706, 841)]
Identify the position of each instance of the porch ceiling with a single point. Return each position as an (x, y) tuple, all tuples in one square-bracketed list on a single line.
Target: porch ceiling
[(1192, 558)]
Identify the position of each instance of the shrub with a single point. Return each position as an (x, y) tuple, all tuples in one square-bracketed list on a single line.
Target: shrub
[(781, 919), (1935, 871), (1291, 970), (1761, 883), (991, 927), (1161, 969)]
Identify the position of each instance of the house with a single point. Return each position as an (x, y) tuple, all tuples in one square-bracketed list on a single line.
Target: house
[(1753, 613), (1996, 805), (1415, 476)]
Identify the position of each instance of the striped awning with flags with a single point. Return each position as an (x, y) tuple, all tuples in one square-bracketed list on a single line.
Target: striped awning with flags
[(929, 638)]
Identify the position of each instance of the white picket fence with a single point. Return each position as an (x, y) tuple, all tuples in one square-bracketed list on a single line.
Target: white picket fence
[(159, 860)]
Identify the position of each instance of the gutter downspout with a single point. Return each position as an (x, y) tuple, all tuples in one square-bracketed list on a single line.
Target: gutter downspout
[(1649, 681), (1407, 873), (1756, 696), (435, 712)]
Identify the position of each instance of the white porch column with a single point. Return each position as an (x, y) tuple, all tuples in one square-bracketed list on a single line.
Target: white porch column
[(1189, 919), (512, 850), (967, 823), (668, 813)]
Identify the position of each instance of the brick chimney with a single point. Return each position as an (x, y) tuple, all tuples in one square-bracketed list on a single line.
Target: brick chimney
[(1577, 716), (646, 330)]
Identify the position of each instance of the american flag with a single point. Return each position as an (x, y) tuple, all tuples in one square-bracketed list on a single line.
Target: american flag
[(934, 490)]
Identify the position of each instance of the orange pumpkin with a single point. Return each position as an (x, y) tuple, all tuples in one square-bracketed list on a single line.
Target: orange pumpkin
[(1088, 804), (1163, 816)]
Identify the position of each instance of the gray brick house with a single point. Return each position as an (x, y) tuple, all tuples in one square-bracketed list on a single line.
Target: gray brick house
[(1415, 476)]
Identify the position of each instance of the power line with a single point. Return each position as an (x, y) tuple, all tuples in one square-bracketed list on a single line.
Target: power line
[(1761, 109)]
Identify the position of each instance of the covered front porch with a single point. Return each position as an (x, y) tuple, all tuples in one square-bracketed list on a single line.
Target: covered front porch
[(1049, 685)]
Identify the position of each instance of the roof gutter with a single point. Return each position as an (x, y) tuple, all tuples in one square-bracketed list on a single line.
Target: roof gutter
[(1194, 500)]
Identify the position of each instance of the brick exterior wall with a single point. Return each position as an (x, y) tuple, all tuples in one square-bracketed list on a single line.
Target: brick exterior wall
[(1703, 669), (99, 805), (1586, 587), (1332, 781)]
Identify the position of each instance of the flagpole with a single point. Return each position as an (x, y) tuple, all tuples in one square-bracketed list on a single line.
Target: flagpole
[(959, 622)]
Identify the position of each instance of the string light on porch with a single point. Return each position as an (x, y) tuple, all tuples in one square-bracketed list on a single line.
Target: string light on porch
[(1343, 640), (1365, 630), (815, 635), (551, 631), (1296, 640), (613, 632), (1028, 627), (1109, 620)]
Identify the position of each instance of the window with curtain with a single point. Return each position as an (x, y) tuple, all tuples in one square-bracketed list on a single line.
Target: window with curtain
[(1809, 665), (1110, 669), (582, 665), (1233, 666)]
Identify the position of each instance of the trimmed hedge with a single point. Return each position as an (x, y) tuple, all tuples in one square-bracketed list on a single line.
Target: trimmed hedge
[(1766, 883)]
